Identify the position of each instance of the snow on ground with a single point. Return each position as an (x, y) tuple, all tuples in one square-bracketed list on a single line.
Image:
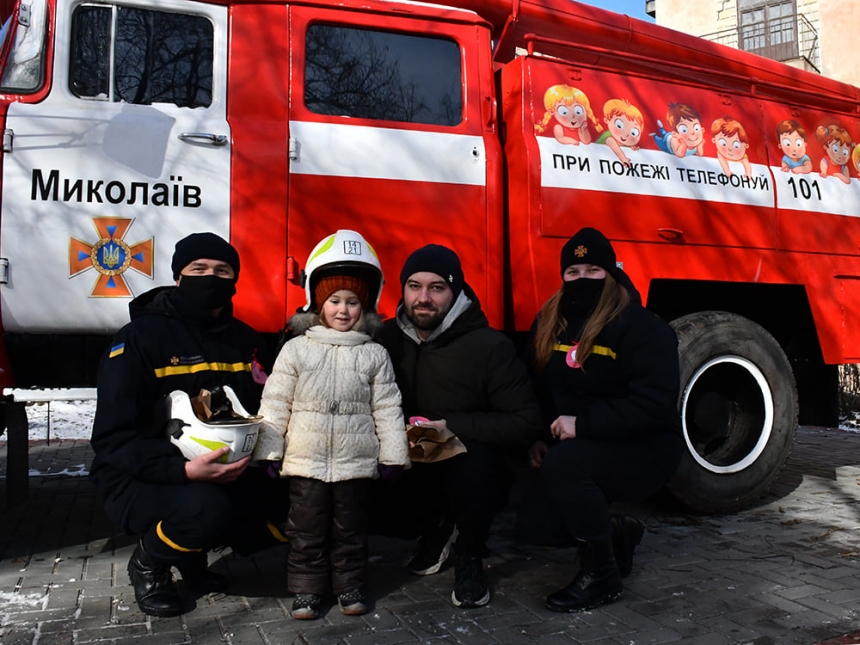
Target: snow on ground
[(850, 422), (68, 420)]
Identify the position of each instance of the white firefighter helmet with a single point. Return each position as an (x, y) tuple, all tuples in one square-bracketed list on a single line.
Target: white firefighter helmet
[(343, 252), (195, 437)]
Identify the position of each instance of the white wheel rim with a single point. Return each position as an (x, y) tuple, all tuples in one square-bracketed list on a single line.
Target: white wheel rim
[(767, 425)]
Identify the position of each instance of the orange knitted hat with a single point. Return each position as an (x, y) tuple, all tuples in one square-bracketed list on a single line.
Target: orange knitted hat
[(331, 283)]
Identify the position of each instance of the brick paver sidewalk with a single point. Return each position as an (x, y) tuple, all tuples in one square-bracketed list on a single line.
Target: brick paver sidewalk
[(786, 571)]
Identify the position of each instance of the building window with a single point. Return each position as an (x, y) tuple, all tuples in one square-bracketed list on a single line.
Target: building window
[(768, 28), (383, 75)]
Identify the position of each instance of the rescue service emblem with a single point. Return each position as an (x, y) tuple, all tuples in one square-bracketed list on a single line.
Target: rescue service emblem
[(111, 257), (580, 251)]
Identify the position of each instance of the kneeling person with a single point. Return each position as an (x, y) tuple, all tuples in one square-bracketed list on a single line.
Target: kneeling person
[(181, 338), (464, 377)]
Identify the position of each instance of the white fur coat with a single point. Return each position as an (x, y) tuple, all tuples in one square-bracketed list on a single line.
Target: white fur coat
[(331, 408)]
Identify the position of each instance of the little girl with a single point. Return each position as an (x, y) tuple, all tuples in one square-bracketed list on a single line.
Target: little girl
[(332, 417), (572, 110)]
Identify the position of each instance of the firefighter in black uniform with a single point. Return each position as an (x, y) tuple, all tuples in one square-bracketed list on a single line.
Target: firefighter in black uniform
[(607, 372), (181, 338)]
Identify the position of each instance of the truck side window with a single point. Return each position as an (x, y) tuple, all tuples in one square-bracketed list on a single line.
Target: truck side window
[(158, 57), (383, 75)]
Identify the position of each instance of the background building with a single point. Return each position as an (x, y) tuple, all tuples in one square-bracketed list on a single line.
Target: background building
[(816, 35)]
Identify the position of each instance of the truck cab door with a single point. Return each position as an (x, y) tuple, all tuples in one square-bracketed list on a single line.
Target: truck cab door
[(128, 151), (388, 138)]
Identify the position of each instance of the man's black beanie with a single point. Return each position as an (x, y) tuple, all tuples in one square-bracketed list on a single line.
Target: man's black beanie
[(589, 246), (206, 246), (436, 259)]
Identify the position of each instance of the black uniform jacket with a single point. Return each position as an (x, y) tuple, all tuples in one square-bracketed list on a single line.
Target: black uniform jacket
[(471, 376), (628, 386), (167, 346)]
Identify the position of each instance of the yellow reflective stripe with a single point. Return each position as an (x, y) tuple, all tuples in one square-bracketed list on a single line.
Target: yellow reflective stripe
[(174, 370), (597, 349), (325, 246), (171, 543), (603, 351), (280, 537)]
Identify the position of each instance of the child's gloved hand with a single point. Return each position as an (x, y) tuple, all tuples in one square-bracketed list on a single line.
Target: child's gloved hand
[(390, 473), (271, 468)]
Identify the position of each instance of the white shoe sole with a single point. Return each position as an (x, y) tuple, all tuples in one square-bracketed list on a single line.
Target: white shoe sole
[(478, 603), (443, 556)]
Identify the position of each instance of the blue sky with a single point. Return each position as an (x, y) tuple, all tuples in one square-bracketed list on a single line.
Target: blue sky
[(633, 8)]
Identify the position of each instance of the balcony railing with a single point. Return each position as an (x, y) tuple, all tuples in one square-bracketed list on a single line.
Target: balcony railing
[(783, 39)]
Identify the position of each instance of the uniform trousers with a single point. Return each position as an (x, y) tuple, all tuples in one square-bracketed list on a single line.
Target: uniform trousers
[(178, 522), (580, 478)]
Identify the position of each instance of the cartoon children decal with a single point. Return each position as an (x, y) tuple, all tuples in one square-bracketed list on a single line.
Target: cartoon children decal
[(792, 141), (855, 157), (732, 143), (686, 136), (624, 123), (837, 151), (572, 110)]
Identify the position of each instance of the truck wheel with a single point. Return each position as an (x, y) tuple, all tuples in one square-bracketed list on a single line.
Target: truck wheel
[(738, 407)]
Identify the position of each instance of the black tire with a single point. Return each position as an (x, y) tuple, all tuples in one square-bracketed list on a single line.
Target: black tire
[(738, 404)]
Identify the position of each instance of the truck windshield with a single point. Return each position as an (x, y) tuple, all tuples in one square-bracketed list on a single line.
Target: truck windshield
[(24, 67)]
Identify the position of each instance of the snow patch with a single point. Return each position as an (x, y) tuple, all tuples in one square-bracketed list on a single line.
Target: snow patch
[(8, 599), (60, 420)]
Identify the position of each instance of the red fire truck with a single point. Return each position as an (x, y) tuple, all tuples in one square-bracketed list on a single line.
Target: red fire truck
[(728, 183)]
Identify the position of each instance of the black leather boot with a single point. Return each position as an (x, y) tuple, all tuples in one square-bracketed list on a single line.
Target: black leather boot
[(154, 590), (626, 535), (596, 582), (195, 572)]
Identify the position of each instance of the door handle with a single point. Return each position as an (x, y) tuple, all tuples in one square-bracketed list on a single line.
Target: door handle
[(216, 140), (671, 234)]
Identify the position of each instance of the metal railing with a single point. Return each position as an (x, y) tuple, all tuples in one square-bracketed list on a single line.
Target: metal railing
[(783, 39)]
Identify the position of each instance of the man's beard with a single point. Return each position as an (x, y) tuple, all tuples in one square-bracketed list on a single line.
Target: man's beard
[(425, 320)]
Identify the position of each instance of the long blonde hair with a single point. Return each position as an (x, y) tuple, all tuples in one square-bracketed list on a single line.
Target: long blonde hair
[(567, 95), (551, 323)]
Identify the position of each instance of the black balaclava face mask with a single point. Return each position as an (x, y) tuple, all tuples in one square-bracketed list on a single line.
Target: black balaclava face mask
[(207, 292), (580, 296)]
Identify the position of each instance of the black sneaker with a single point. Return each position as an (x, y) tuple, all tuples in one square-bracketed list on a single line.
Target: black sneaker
[(433, 549), (307, 606), (352, 603), (470, 583)]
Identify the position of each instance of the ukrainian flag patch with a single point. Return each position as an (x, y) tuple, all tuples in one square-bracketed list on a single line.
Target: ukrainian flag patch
[(116, 350)]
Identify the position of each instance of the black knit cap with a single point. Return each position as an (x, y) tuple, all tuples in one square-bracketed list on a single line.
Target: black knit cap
[(437, 259), (206, 246), (589, 246)]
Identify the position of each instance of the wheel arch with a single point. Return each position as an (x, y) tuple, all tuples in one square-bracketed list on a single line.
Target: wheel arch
[(782, 310)]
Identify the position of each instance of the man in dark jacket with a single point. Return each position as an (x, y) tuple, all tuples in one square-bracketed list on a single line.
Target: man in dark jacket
[(463, 376), (181, 338)]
